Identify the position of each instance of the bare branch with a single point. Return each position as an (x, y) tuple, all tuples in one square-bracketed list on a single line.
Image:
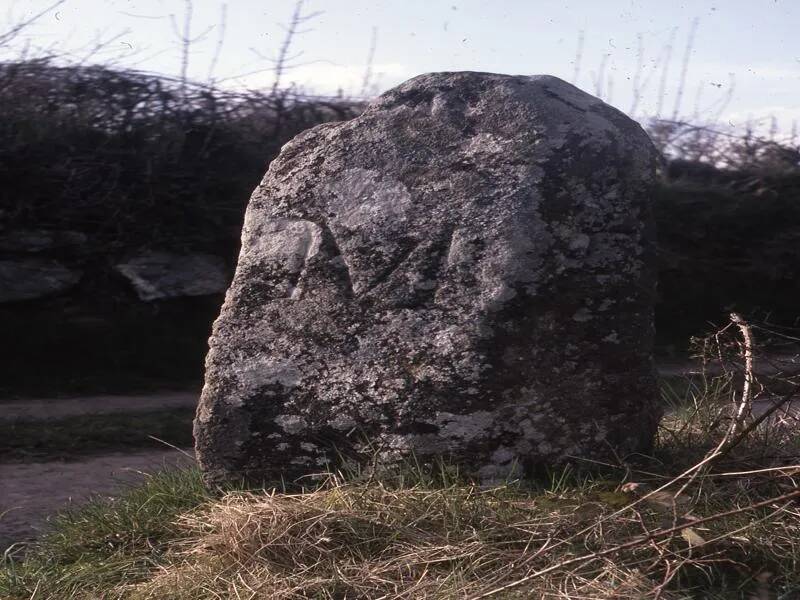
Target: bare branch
[(599, 79), (281, 63), (578, 58), (184, 37), (223, 25), (662, 86), (365, 84), (637, 76), (660, 533), (17, 28), (684, 68)]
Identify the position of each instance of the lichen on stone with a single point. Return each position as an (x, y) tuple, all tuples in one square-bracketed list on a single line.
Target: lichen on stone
[(463, 271)]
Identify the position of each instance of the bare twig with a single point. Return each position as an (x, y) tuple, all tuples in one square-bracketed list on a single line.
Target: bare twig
[(282, 62), (184, 36), (185, 41), (746, 404), (223, 25), (20, 26), (367, 81), (761, 418), (637, 76), (639, 541), (599, 78), (578, 58), (684, 68), (662, 86)]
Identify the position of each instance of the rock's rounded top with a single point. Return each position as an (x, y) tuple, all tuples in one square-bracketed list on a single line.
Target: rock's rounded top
[(532, 89), (444, 81), (453, 122), (510, 105)]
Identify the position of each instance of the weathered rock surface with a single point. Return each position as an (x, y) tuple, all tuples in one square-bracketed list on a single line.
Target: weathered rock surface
[(463, 271), (34, 278), (157, 275)]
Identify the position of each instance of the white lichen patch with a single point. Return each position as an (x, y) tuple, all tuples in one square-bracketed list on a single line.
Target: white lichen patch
[(425, 284), (465, 427), (341, 421), (291, 424), (485, 145), (257, 373), (361, 198), (499, 296), (582, 315), (462, 248), (281, 246), (254, 374)]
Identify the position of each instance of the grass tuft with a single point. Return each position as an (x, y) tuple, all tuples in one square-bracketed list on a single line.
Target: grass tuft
[(106, 542)]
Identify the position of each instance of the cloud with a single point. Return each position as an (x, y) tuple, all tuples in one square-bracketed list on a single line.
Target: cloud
[(328, 79), (763, 71), (760, 119)]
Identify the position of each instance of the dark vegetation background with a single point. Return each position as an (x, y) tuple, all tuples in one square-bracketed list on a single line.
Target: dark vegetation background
[(124, 161)]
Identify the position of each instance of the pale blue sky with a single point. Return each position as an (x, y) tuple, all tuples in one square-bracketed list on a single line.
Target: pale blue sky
[(752, 42)]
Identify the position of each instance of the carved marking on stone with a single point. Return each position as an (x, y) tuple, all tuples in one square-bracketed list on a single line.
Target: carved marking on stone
[(287, 244), (330, 240), (361, 207), (392, 268)]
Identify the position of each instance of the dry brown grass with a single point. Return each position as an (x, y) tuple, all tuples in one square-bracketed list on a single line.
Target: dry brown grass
[(370, 540)]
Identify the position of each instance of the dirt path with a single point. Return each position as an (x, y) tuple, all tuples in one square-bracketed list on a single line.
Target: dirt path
[(30, 492), (764, 366)]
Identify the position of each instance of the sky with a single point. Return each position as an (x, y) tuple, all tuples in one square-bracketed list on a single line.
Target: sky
[(742, 64)]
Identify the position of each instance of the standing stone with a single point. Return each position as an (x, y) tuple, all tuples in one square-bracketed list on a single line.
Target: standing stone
[(464, 271)]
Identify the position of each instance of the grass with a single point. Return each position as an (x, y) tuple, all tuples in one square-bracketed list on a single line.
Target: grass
[(86, 434), (626, 530), (106, 542)]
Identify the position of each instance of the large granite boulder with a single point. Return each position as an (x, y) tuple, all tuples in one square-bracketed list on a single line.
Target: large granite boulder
[(464, 271)]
